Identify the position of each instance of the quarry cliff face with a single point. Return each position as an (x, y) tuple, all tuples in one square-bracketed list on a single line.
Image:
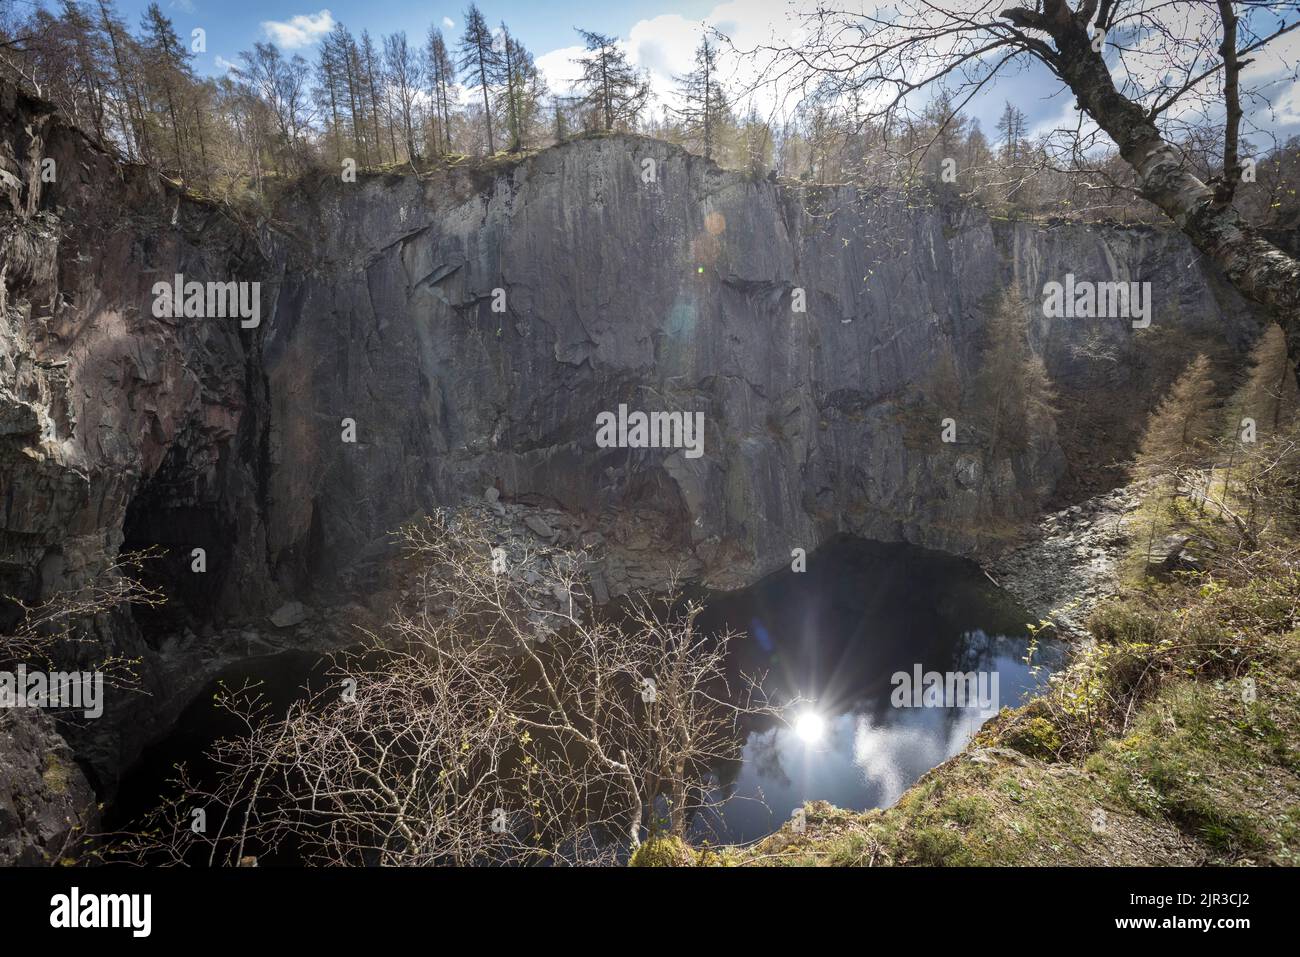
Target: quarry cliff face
[(114, 424), (423, 337), (476, 327)]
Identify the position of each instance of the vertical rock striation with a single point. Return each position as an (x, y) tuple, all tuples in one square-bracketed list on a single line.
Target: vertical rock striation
[(677, 295)]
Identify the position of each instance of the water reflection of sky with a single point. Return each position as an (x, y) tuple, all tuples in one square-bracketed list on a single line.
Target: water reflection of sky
[(836, 634)]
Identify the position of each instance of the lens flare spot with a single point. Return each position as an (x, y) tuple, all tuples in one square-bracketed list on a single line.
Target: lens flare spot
[(810, 727)]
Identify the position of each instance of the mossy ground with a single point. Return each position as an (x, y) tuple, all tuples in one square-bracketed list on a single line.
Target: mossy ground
[(663, 852)]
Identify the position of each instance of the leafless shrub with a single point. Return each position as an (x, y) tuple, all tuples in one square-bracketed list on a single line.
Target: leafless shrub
[(499, 719), (62, 626)]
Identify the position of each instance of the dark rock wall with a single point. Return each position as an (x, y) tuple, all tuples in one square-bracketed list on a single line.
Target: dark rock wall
[(46, 806), (101, 404), (119, 429), (676, 295)]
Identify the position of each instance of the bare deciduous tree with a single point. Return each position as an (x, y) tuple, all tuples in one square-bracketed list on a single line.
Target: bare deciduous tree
[(58, 629)]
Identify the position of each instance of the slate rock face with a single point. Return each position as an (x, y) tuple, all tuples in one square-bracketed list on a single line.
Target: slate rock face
[(677, 295), (118, 429), (121, 430)]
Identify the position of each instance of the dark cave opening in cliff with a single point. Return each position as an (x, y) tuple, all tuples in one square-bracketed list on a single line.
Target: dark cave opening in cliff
[(168, 519)]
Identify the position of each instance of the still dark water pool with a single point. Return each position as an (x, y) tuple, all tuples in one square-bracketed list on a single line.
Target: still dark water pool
[(836, 634)]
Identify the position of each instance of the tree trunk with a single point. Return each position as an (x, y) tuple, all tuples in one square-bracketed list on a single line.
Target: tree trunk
[(487, 109), (1260, 271)]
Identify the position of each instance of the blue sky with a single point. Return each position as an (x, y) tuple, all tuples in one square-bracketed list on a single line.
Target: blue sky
[(660, 36), (660, 32), (233, 25)]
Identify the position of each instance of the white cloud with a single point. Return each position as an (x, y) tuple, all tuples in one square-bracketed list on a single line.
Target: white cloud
[(448, 23), (559, 69), (665, 45), (222, 63), (1288, 106), (301, 30), (1278, 58)]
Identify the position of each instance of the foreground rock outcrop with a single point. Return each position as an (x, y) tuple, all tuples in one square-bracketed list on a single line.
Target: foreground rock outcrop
[(46, 805)]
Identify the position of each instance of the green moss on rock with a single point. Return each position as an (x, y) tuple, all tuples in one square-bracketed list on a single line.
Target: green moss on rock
[(663, 852)]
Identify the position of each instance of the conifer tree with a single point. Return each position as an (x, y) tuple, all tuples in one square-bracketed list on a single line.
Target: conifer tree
[(130, 113), (1180, 430), (329, 83), (442, 76), (614, 94), (705, 112), (343, 67), (371, 79), (1013, 394), (1012, 126), (1178, 436), (479, 61), (1270, 401), (521, 89), (167, 69), (1269, 395)]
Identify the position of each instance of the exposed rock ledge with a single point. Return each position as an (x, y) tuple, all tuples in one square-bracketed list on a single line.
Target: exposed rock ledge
[(1071, 561)]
